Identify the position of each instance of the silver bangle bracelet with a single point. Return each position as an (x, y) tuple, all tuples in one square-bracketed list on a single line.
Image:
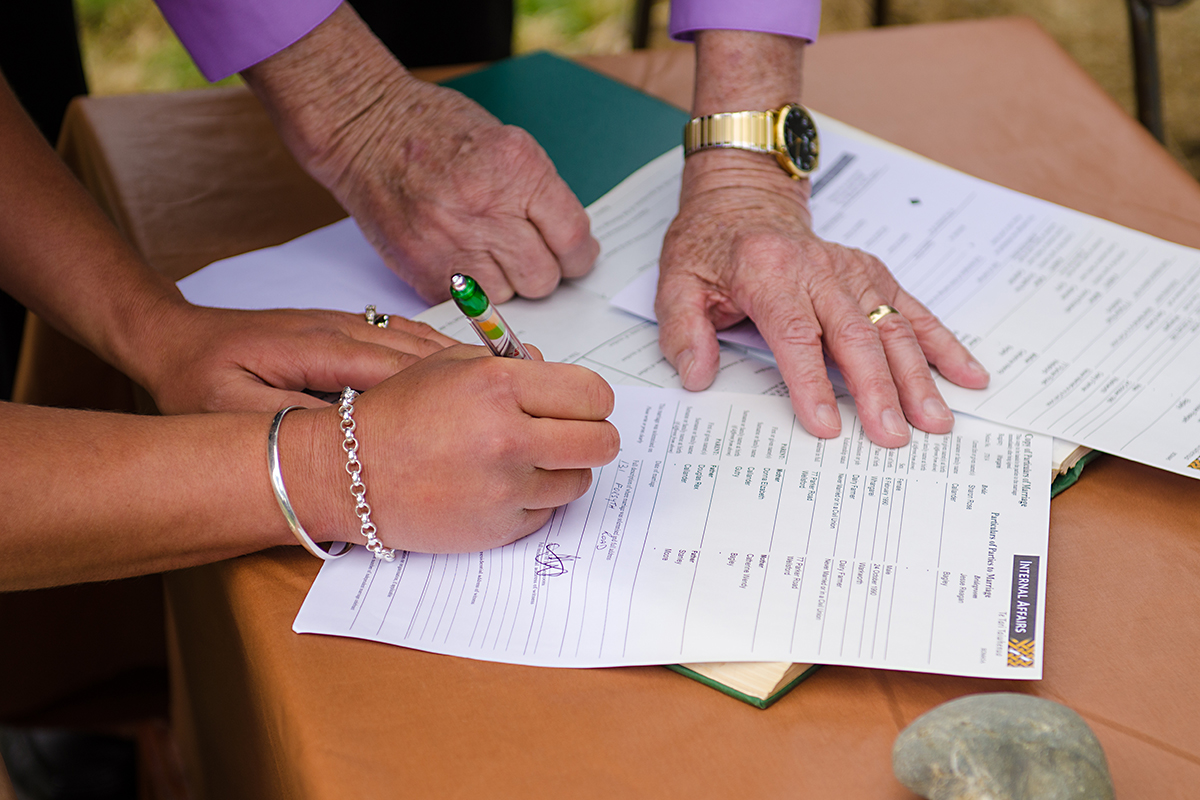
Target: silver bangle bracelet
[(281, 496)]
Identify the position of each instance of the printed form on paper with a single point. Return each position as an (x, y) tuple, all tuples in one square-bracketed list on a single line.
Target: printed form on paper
[(724, 532)]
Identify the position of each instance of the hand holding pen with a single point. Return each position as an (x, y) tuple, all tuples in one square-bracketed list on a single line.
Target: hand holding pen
[(467, 452)]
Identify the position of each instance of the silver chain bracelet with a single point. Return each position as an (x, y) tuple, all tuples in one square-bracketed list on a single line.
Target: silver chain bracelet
[(354, 469)]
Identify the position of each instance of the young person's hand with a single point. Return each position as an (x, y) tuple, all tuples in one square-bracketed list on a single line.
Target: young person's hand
[(211, 359), (461, 452)]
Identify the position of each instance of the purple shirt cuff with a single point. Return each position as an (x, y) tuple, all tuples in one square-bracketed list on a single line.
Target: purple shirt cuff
[(226, 36), (797, 18)]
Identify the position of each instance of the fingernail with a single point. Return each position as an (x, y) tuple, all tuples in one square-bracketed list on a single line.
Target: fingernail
[(829, 417), (977, 369), (893, 423), (934, 407), (687, 360)]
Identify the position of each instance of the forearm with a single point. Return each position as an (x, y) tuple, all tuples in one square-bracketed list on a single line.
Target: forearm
[(436, 183), (48, 225), (746, 71), (90, 496), (318, 86)]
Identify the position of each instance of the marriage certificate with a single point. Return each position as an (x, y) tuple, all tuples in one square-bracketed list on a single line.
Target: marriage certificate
[(725, 532)]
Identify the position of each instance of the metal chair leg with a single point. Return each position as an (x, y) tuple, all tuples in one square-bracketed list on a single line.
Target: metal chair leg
[(1143, 37), (641, 23)]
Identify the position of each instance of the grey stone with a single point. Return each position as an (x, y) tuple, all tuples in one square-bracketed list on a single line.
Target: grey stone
[(1001, 746)]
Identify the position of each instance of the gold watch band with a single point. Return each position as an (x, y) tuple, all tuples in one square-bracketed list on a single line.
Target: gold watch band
[(743, 130)]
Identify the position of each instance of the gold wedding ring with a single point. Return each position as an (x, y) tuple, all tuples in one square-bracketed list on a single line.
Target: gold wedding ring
[(880, 313), (376, 319)]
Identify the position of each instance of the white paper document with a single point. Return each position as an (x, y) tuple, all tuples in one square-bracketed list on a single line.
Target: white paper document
[(725, 532), (333, 267), (1091, 331)]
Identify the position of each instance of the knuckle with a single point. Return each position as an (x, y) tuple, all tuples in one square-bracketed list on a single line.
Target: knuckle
[(599, 394), (497, 444), (871, 262), (530, 521), (501, 382), (799, 332), (403, 361), (583, 481), (539, 282), (498, 291), (494, 491), (578, 233), (515, 146), (856, 333), (926, 325), (610, 442), (811, 387), (917, 374), (819, 253), (420, 329), (876, 384), (895, 329), (493, 378)]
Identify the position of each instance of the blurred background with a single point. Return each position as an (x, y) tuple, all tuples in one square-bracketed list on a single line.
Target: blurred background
[(127, 47)]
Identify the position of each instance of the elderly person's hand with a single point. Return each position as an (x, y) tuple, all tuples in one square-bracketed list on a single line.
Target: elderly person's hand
[(437, 184), (742, 245)]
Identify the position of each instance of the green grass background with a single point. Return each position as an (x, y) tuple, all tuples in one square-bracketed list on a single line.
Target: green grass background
[(128, 47)]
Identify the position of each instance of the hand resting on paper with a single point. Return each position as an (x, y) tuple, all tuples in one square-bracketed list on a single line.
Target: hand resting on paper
[(224, 360), (742, 245), (437, 184), (462, 451)]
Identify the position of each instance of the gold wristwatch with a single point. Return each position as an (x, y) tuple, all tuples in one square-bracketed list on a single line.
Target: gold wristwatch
[(788, 132)]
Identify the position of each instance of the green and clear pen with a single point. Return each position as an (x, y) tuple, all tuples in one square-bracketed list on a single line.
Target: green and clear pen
[(484, 318)]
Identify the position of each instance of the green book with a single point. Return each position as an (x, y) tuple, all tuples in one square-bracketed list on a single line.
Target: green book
[(758, 683), (597, 131)]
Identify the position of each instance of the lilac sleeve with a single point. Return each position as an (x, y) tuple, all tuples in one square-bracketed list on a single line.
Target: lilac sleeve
[(798, 18), (226, 36)]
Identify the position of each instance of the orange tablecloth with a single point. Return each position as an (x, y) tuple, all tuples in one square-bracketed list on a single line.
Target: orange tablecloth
[(265, 713)]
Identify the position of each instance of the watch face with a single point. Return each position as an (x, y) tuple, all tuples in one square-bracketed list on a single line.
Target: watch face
[(800, 139)]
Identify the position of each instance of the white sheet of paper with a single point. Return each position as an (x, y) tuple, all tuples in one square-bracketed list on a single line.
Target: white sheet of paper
[(1091, 331), (333, 267), (725, 532)]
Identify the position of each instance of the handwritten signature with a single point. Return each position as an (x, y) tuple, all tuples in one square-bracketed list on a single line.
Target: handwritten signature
[(549, 563)]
